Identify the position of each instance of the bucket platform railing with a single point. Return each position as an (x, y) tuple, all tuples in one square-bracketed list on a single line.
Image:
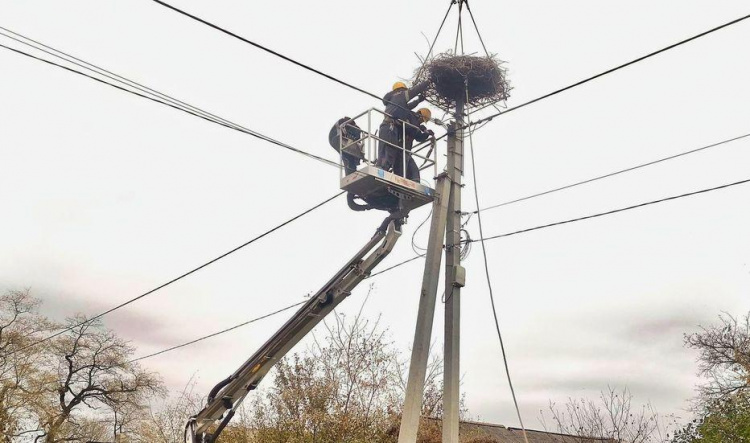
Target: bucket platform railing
[(359, 141)]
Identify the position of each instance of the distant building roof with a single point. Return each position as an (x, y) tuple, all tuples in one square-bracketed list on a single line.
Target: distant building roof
[(505, 434)]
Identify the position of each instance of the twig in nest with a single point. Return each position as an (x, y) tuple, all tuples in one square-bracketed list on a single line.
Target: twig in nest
[(449, 75)]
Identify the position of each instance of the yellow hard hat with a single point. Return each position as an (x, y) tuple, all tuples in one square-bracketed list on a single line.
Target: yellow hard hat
[(425, 113), (399, 85)]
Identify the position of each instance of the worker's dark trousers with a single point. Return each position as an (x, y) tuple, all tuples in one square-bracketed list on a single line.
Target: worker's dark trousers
[(350, 163), (392, 157), (387, 154), (412, 171)]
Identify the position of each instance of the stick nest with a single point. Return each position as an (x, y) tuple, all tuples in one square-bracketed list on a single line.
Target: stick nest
[(449, 75)]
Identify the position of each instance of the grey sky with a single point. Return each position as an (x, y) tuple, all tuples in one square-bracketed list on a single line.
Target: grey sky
[(106, 195)]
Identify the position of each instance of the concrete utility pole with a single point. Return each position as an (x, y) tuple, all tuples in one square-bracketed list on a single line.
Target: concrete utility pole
[(420, 352), (446, 224), (454, 280)]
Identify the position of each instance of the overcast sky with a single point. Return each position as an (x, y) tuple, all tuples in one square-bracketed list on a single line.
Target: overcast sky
[(106, 195)]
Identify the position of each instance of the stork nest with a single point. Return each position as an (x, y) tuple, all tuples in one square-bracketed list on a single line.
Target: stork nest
[(449, 75)]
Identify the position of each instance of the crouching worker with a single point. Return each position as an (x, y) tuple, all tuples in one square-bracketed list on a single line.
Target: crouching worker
[(346, 130), (345, 137), (351, 150), (398, 105)]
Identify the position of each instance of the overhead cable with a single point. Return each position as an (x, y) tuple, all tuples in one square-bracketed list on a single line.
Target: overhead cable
[(609, 71), (479, 34), (432, 46), (223, 331), (487, 276), (614, 211), (175, 104), (180, 277), (611, 174), (282, 56), (549, 225), (396, 265), (266, 49), (28, 41)]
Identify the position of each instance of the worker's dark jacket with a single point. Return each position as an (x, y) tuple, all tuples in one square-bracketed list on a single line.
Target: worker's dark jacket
[(399, 102), (414, 131), (418, 133), (351, 132)]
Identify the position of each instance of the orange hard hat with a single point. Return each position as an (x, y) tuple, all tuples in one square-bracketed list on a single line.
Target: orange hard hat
[(399, 85), (425, 113)]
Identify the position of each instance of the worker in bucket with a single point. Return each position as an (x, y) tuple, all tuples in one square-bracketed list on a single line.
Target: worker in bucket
[(415, 131), (346, 130), (398, 105)]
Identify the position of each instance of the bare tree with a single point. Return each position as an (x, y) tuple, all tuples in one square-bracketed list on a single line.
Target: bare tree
[(722, 406), (343, 388), (166, 421), (91, 371), (432, 400), (22, 380), (724, 357), (612, 418)]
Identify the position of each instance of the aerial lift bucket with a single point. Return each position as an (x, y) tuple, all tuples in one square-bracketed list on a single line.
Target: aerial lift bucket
[(373, 184)]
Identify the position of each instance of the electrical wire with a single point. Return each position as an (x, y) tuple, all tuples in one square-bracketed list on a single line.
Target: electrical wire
[(180, 277), (616, 68), (479, 34), (481, 40), (145, 89), (223, 331), (487, 275), (203, 115), (266, 49), (536, 228), (466, 247), (278, 54), (104, 72), (414, 246), (614, 211), (459, 29), (432, 46), (396, 265), (612, 174)]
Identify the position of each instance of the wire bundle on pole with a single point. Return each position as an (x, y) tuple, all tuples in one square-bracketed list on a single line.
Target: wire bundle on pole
[(124, 84)]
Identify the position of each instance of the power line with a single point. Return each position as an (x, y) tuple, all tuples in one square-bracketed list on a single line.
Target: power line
[(282, 56), (614, 211), (237, 326), (223, 331), (609, 71), (429, 52), (266, 49), (101, 71), (203, 115), (611, 174), (396, 265), (192, 271), (459, 30), (487, 274), (479, 34), (536, 228)]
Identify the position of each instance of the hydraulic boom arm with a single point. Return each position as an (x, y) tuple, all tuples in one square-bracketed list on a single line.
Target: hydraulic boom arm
[(225, 398)]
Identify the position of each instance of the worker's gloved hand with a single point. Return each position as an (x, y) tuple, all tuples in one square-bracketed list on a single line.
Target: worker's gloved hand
[(431, 132)]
